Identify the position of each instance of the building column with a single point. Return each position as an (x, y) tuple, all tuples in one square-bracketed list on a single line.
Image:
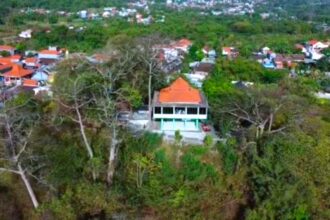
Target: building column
[(173, 124), (197, 125), (161, 124)]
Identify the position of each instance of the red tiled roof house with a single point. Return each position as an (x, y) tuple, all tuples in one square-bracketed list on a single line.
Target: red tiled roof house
[(179, 107), (16, 75)]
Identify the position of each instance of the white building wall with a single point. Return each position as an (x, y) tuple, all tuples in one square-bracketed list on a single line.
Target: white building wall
[(48, 56), (180, 116)]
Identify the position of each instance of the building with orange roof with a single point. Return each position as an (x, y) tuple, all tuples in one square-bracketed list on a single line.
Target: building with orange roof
[(15, 58), (5, 61), (31, 62), (30, 83), (183, 44), (9, 49), (16, 75), (230, 52), (179, 106), (50, 54), (5, 68)]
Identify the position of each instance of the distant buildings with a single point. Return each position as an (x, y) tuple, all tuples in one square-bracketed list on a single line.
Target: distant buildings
[(313, 49), (272, 60), (170, 55)]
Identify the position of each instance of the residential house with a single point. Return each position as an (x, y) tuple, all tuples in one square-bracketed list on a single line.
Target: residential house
[(203, 69), (312, 50), (265, 50), (169, 58), (230, 52), (31, 62), (16, 75), (27, 34), (50, 56), (183, 45), (318, 45), (179, 107), (9, 49), (83, 14), (40, 76), (30, 83), (16, 58), (11, 59), (268, 63), (209, 52), (279, 61)]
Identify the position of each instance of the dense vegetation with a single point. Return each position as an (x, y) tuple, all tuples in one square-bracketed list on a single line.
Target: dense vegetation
[(273, 164)]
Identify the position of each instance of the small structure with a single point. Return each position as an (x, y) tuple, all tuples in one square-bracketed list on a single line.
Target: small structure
[(30, 83), (179, 107), (203, 68), (27, 34), (209, 52), (230, 52)]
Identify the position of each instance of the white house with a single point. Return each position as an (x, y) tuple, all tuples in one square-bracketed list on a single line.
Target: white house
[(51, 53), (27, 34)]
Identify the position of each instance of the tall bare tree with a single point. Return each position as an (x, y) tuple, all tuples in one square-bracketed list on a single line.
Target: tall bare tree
[(106, 101), (149, 55), (73, 92), (18, 126)]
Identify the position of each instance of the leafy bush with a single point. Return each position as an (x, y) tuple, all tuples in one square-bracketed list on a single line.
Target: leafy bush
[(229, 156)]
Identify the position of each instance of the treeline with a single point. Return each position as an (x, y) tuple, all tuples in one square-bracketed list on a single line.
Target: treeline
[(73, 5), (247, 34)]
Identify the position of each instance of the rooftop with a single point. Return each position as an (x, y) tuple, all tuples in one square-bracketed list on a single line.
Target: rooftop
[(6, 47), (30, 83), (180, 92), (18, 71), (51, 52)]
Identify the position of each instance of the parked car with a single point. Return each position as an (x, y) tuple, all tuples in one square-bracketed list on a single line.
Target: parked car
[(124, 116), (206, 128)]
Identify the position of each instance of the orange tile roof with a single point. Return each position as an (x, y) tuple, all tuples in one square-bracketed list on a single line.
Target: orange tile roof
[(30, 83), (5, 60), (227, 49), (31, 60), (184, 42), (6, 47), (312, 42), (15, 57), (5, 67), (18, 71), (180, 92), (52, 52)]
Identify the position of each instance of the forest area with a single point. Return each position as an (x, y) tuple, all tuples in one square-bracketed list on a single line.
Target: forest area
[(67, 156)]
